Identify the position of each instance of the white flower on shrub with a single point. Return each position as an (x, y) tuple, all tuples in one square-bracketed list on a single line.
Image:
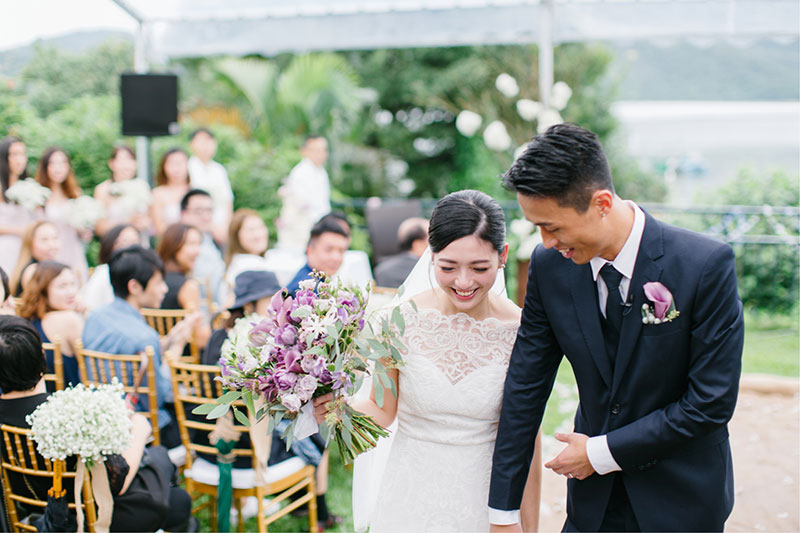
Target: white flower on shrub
[(560, 95), (528, 109), (519, 151), (547, 118), (507, 85), (496, 137), (521, 227), (468, 123)]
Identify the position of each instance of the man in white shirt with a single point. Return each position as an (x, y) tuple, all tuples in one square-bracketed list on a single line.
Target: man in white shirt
[(649, 318), (207, 174), (306, 194)]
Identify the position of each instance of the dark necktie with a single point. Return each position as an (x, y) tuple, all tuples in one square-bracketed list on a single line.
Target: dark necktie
[(613, 321)]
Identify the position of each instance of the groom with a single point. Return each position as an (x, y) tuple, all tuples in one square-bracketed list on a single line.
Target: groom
[(650, 446)]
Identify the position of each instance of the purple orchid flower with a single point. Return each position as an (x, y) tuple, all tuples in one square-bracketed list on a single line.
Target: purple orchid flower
[(291, 360)]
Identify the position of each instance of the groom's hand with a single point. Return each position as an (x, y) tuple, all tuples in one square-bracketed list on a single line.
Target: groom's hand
[(572, 462)]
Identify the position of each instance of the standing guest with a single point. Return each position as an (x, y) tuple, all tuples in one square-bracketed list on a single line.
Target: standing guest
[(172, 182), (49, 302), (136, 506), (207, 174), (412, 239), (179, 249), (248, 240), (13, 218), (117, 209), (649, 450), (7, 306), (55, 172), (306, 194), (209, 268), (98, 291), (40, 242), (137, 276), (324, 253)]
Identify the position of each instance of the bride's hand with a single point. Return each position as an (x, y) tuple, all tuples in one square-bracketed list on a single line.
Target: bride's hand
[(321, 407)]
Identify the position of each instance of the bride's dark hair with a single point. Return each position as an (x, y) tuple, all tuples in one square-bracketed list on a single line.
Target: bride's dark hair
[(465, 213)]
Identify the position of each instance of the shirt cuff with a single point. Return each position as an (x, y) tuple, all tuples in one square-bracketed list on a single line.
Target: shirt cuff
[(600, 456), (503, 518)]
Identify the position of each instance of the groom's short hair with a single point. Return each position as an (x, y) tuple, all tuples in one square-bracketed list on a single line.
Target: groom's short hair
[(566, 163)]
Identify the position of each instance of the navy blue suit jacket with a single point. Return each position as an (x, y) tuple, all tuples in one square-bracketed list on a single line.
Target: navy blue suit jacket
[(666, 403)]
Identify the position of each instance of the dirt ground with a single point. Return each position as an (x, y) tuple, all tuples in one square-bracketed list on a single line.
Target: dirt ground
[(765, 439)]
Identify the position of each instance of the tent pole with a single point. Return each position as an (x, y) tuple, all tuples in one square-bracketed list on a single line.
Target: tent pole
[(140, 66), (545, 51)]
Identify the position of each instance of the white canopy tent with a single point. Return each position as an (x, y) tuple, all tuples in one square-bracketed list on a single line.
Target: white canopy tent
[(191, 28)]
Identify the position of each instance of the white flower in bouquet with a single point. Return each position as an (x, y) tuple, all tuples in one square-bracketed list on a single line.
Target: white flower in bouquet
[(560, 95), (84, 212), (496, 137), (28, 193), (91, 422), (134, 195), (468, 122), (547, 118), (507, 85)]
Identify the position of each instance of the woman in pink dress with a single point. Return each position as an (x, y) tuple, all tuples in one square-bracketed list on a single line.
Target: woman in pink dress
[(55, 172), (13, 218), (120, 209), (173, 183)]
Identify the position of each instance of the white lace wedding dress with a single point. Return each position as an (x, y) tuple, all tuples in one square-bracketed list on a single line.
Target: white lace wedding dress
[(451, 388)]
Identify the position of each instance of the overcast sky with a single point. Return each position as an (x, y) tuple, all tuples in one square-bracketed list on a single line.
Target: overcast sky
[(27, 20)]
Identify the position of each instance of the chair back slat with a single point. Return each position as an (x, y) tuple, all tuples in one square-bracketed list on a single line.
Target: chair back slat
[(57, 376), (136, 373), (163, 320)]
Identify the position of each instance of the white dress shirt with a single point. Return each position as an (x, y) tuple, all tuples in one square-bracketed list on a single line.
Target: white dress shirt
[(309, 185), (597, 447), (212, 178)]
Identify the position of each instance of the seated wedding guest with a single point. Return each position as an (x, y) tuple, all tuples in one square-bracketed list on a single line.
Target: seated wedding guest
[(172, 182), (207, 174), (55, 172), (138, 504), (179, 249), (119, 207), (324, 253), (7, 306), (40, 242), (253, 292), (13, 218), (412, 239), (49, 302), (137, 277), (98, 291), (209, 268), (248, 239), (355, 264)]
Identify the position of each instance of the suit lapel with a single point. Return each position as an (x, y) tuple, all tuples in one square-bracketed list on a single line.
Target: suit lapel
[(646, 269), (584, 297)]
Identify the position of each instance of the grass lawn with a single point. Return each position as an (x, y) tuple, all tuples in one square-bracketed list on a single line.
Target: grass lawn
[(772, 344)]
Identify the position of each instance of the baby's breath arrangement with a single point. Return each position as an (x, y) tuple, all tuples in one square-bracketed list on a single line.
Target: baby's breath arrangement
[(28, 193), (91, 422)]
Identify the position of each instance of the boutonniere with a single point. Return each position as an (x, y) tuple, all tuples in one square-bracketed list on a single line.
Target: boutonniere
[(662, 308)]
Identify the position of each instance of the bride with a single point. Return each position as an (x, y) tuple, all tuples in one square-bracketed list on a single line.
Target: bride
[(450, 385)]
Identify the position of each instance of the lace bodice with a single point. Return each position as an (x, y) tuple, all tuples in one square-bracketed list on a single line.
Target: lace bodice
[(451, 384)]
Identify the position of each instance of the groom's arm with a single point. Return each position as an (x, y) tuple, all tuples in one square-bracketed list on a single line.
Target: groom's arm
[(529, 381), (715, 346)]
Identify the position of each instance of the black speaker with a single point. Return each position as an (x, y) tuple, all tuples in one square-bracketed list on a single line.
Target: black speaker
[(149, 104)]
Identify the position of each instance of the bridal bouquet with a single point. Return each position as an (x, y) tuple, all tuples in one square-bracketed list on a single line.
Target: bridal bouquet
[(91, 422), (310, 345), (134, 194), (84, 212), (28, 193)]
